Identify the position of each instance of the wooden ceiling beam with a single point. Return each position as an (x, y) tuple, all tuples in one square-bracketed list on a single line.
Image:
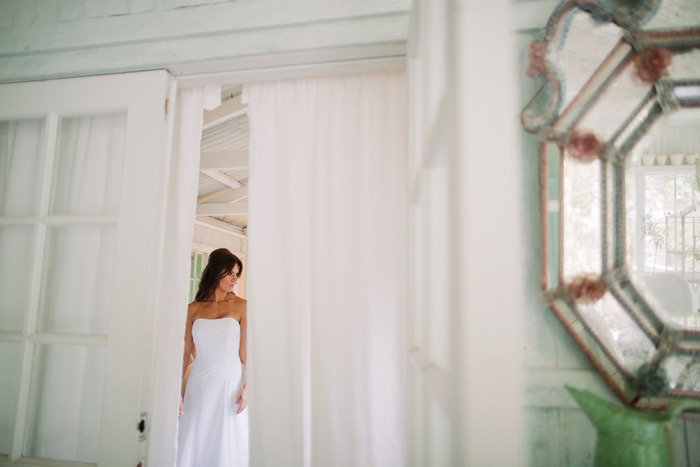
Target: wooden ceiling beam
[(222, 178), (222, 209), (224, 160), (219, 226), (228, 110), (234, 195), (238, 195), (216, 194)]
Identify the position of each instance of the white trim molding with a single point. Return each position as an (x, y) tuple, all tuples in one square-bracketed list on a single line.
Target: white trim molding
[(209, 38)]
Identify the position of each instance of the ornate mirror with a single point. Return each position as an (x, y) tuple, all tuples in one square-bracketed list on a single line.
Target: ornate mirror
[(619, 124)]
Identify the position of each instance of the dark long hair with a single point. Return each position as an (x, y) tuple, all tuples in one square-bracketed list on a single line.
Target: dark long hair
[(221, 263)]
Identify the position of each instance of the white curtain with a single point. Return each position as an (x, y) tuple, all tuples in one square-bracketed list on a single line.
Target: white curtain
[(182, 202), (327, 270)]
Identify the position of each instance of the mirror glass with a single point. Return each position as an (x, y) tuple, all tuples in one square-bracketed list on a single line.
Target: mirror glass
[(662, 221), (620, 133), (573, 62)]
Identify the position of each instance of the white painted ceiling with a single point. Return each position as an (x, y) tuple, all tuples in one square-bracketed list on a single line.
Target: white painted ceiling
[(223, 178)]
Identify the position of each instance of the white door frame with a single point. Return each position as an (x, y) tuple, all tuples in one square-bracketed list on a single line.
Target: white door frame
[(270, 71), (159, 446)]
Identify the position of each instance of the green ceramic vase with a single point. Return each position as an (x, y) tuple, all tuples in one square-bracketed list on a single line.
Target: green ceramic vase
[(629, 437)]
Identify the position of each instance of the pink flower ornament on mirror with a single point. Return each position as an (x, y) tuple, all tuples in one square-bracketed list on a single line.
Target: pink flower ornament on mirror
[(585, 147), (537, 54), (653, 63), (587, 289)]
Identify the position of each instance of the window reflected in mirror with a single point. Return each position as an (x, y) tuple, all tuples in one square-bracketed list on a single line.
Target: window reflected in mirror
[(663, 218)]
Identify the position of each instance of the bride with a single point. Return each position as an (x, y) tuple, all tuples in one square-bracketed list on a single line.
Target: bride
[(214, 423)]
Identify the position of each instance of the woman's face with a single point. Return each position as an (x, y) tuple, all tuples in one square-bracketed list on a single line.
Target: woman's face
[(229, 281)]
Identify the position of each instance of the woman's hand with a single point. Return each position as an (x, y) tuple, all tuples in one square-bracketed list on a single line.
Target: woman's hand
[(180, 412), (242, 399)]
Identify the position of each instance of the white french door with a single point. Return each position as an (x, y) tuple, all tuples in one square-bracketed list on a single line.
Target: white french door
[(83, 177)]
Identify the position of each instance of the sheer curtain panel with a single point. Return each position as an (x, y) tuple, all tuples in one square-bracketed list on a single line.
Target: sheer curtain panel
[(328, 270), (179, 227)]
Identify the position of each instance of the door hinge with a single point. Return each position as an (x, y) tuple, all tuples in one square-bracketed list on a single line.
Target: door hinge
[(167, 104)]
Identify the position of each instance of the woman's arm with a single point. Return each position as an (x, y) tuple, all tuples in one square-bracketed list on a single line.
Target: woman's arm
[(242, 399), (189, 345)]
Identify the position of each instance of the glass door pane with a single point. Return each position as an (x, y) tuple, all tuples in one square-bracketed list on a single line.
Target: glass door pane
[(21, 150), (10, 366), (65, 403), (76, 289), (15, 268), (87, 171)]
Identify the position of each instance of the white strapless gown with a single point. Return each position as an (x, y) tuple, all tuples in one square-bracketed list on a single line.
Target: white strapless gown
[(210, 432)]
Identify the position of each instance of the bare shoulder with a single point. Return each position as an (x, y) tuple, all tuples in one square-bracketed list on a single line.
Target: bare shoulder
[(237, 301), (192, 308), (238, 304)]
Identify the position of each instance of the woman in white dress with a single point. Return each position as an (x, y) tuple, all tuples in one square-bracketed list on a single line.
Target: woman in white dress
[(213, 429)]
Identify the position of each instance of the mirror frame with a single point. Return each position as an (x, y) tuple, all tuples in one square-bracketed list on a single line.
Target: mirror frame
[(557, 129)]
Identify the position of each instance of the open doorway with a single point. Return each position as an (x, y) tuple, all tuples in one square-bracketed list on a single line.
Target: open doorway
[(213, 421), (327, 286), (221, 218)]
